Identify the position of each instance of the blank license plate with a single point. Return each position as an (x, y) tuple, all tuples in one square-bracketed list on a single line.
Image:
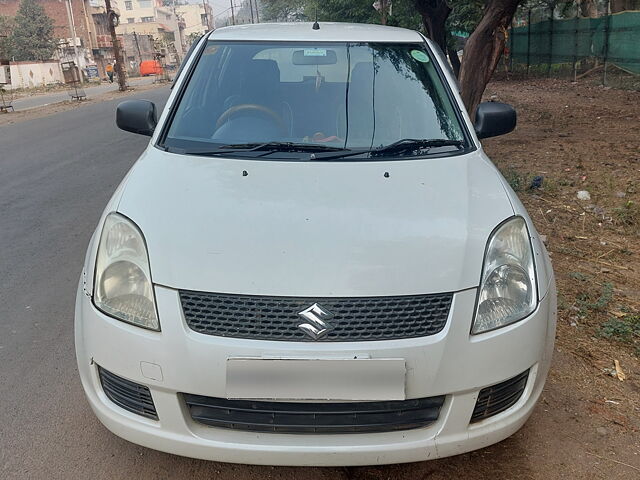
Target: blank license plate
[(316, 379)]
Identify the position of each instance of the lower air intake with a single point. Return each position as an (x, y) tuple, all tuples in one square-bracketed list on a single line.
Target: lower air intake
[(126, 394), (298, 417), (497, 398)]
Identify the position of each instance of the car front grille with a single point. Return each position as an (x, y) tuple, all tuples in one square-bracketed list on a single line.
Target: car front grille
[(298, 417), (353, 319), (497, 398), (126, 394)]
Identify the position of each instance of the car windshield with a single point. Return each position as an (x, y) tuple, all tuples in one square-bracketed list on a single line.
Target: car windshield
[(353, 97)]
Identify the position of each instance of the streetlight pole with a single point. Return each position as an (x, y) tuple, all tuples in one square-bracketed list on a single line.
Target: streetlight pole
[(72, 31)]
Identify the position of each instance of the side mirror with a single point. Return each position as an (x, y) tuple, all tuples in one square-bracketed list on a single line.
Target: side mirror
[(494, 118), (137, 116)]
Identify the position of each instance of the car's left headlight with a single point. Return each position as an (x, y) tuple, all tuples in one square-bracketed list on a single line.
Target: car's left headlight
[(508, 290), (123, 287)]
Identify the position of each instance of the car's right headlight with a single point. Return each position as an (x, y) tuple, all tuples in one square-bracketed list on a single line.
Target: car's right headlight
[(123, 287), (508, 290)]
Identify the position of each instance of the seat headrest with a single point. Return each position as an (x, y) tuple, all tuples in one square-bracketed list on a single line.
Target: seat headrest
[(264, 72)]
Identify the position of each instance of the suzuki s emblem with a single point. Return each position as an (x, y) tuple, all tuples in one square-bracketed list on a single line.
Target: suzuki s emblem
[(315, 324)]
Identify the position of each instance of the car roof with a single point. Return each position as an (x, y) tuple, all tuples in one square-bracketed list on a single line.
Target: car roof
[(328, 32)]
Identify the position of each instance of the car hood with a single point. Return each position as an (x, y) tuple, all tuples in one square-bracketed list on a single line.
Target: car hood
[(315, 228)]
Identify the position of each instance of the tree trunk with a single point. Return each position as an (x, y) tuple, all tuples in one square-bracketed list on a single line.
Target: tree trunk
[(588, 9), (455, 61), (618, 6), (117, 52), (484, 49), (434, 15)]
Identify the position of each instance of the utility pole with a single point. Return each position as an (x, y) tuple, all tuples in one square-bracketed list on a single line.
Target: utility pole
[(233, 15), (257, 12), (135, 37), (117, 52), (179, 51), (72, 31), (251, 8), (206, 13)]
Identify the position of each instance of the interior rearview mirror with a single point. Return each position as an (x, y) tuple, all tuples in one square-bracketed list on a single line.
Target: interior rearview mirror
[(494, 118), (137, 116)]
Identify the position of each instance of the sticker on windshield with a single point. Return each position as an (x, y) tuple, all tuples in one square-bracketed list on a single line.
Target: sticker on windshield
[(420, 56), (315, 52), (211, 49)]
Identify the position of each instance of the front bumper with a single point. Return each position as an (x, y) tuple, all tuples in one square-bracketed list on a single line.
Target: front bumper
[(177, 359)]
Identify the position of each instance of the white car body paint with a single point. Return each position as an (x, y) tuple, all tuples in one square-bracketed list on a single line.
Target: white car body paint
[(312, 229)]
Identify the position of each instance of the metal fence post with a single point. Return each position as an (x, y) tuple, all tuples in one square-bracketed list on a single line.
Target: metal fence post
[(550, 57), (607, 26), (511, 46), (575, 41), (528, 42)]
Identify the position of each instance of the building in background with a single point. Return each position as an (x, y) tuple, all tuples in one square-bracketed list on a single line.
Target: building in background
[(99, 36), (149, 17), (137, 48), (244, 11), (89, 20), (148, 30), (198, 18)]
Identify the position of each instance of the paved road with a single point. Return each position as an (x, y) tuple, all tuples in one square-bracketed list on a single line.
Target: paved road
[(26, 103), (56, 173)]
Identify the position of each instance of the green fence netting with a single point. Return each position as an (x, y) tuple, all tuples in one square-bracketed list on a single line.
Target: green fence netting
[(613, 38)]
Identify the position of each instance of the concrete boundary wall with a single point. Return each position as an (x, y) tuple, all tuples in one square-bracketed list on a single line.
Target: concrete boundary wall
[(35, 74)]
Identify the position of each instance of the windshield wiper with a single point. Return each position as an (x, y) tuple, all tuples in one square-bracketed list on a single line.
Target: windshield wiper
[(296, 147), (259, 147), (411, 145)]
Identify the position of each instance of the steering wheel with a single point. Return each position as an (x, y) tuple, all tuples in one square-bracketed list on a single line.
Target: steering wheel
[(247, 107)]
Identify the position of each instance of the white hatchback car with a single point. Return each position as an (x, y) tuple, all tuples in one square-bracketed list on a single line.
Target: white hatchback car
[(314, 262)]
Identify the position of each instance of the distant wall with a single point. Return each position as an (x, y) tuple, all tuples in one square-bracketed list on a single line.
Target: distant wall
[(35, 74)]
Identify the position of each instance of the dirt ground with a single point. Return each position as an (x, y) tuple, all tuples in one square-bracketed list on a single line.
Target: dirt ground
[(580, 137)]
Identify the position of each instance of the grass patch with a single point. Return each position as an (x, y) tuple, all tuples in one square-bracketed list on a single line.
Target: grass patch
[(550, 186), (624, 330), (587, 303), (517, 181), (521, 182), (579, 276), (628, 214)]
